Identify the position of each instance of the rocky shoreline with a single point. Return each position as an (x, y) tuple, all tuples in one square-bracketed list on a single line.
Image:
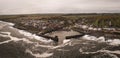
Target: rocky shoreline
[(92, 45), (48, 25)]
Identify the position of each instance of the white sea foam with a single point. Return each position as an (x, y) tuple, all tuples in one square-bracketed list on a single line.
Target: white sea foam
[(105, 51), (109, 28), (84, 26), (102, 39), (66, 41), (15, 39), (92, 28), (15, 31), (114, 41), (38, 55), (34, 36), (6, 23), (52, 47), (110, 53), (5, 42), (45, 46), (88, 37)]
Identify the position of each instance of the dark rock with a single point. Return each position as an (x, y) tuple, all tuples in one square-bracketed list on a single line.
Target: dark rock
[(74, 36), (49, 37)]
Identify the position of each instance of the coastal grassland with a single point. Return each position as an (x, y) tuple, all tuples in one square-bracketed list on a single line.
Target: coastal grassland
[(98, 20), (94, 20)]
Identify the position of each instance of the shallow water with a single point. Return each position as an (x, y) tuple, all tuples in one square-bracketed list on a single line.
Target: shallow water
[(62, 34)]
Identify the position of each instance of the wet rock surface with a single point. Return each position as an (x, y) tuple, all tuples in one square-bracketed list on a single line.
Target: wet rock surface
[(13, 50)]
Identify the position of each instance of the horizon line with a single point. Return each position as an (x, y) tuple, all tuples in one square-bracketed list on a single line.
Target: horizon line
[(60, 13)]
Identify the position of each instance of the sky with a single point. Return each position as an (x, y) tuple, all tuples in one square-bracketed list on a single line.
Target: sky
[(58, 6)]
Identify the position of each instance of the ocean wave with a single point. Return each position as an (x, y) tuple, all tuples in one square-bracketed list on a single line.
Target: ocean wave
[(102, 39)]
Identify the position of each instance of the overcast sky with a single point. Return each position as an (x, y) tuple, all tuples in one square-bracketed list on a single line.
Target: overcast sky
[(58, 6)]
